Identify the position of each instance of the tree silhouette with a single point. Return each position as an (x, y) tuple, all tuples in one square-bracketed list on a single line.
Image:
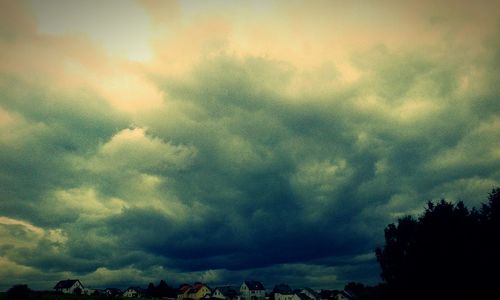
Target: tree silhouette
[(447, 253), (152, 290), (18, 292), (161, 290), (164, 290)]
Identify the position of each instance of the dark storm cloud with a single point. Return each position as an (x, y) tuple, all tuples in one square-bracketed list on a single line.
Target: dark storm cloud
[(237, 174), (49, 128), (270, 160)]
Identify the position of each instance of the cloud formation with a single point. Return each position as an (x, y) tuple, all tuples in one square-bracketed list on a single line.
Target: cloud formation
[(275, 148)]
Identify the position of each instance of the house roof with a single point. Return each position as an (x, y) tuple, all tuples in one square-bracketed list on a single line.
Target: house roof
[(66, 284), (346, 294), (227, 291), (302, 296), (113, 290), (311, 291), (328, 294), (182, 288), (254, 285), (195, 288), (283, 289)]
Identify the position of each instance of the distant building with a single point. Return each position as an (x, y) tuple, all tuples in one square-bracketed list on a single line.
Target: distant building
[(328, 294), (225, 293), (300, 296), (335, 295), (282, 292), (90, 291), (182, 291), (252, 290), (343, 295), (69, 286), (198, 291), (112, 292), (134, 292), (312, 294)]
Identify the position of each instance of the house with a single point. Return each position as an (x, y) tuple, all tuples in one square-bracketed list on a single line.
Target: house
[(225, 292), (312, 294), (343, 295), (300, 296), (182, 291), (282, 292), (112, 292), (90, 291), (69, 286), (328, 294), (252, 290), (197, 291), (134, 292)]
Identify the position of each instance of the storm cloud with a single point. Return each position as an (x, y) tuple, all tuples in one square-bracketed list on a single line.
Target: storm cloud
[(221, 161)]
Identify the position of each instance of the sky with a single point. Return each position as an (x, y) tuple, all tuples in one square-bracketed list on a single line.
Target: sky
[(219, 141)]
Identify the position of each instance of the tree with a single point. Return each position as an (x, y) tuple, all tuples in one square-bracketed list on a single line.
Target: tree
[(447, 253), (164, 290), (490, 234), (354, 288), (152, 290), (19, 292)]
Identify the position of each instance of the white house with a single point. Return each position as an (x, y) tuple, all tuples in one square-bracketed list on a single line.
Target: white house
[(343, 295), (300, 296), (69, 286), (133, 292), (218, 294), (282, 292), (89, 291), (112, 292), (310, 293), (225, 293), (252, 290)]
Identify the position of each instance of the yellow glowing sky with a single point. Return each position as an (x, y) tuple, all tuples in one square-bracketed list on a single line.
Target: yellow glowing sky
[(112, 46)]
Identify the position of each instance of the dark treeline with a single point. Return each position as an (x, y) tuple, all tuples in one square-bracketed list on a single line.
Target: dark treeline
[(448, 252), (161, 290), (23, 292)]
